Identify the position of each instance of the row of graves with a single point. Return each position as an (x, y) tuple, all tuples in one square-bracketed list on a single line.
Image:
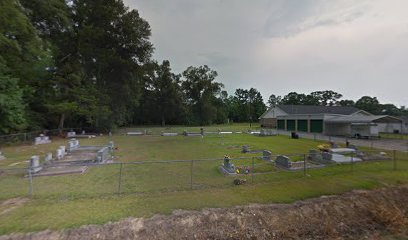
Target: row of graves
[(71, 159), (201, 133), (316, 158), (43, 139)]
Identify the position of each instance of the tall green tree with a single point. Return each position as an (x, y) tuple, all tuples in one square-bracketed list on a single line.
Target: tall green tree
[(163, 95), (11, 105), (369, 104), (274, 100), (345, 102), (22, 61), (248, 105), (201, 91), (326, 98), (294, 98), (113, 43)]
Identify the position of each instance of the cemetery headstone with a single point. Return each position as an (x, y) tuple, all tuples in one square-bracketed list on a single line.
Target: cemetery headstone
[(245, 149), (48, 158), (42, 139), (71, 134), (2, 157), (266, 155), (73, 144), (327, 157), (102, 154), (283, 161), (169, 134), (35, 164), (228, 166), (59, 155), (63, 150), (315, 155), (111, 146)]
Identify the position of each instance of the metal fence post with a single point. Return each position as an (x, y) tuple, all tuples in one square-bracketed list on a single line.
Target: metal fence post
[(304, 164), (30, 185), (394, 159), (191, 174), (352, 162), (253, 169), (120, 178)]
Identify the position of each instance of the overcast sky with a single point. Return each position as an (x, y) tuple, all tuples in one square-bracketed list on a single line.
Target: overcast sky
[(353, 47)]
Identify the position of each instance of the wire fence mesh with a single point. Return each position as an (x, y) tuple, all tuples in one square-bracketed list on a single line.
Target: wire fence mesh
[(181, 175)]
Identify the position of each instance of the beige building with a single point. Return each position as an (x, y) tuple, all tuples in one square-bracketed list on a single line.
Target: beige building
[(328, 120)]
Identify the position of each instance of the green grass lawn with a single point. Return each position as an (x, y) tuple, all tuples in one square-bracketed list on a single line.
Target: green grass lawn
[(394, 136), (150, 188)]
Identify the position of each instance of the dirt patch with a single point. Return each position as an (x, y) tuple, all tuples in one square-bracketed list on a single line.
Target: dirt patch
[(377, 214), (11, 204)]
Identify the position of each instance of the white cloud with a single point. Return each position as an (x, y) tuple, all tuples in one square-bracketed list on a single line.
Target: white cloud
[(353, 47)]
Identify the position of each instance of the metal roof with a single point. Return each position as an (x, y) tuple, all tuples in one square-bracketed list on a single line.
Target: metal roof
[(363, 119), (310, 109)]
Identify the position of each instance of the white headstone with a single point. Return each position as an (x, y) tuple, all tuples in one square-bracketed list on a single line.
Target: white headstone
[(37, 140), (35, 164), (2, 157), (48, 157), (71, 134), (59, 154), (111, 145), (63, 149), (42, 139)]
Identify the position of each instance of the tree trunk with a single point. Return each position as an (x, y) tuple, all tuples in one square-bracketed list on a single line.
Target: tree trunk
[(61, 123), (163, 121)]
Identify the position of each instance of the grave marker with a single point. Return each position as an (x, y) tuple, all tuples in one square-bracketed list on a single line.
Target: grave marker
[(266, 155), (42, 140), (48, 158), (35, 164), (283, 161)]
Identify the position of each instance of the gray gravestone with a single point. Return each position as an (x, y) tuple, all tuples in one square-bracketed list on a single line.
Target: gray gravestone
[(245, 149), (63, 150), (111, 146), (48, 158), (266, 155), (102, 155), (169, 134), (71, 134), (59, 154), (42, 140), (283, 161), (327, 157), (2, 157), (35, 164), (73, 144), (228, 166), (315, 155)]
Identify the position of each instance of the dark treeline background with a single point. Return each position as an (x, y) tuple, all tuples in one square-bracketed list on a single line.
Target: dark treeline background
[(88, 63)]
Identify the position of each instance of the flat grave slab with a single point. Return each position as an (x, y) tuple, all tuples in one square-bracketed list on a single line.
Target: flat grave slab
[(338, 158), (61, 170), (342, 150)]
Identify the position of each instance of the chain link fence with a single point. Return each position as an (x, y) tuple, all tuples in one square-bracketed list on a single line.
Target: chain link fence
[(183, 175), (28, 137)]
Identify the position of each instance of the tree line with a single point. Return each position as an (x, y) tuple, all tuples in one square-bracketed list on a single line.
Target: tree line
[(88, 63), (331, 98)]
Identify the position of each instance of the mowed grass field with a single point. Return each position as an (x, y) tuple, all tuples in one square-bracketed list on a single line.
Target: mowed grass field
[(161, 187)]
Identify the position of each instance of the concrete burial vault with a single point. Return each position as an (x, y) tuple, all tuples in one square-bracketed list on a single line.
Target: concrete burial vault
[(73, 159)]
